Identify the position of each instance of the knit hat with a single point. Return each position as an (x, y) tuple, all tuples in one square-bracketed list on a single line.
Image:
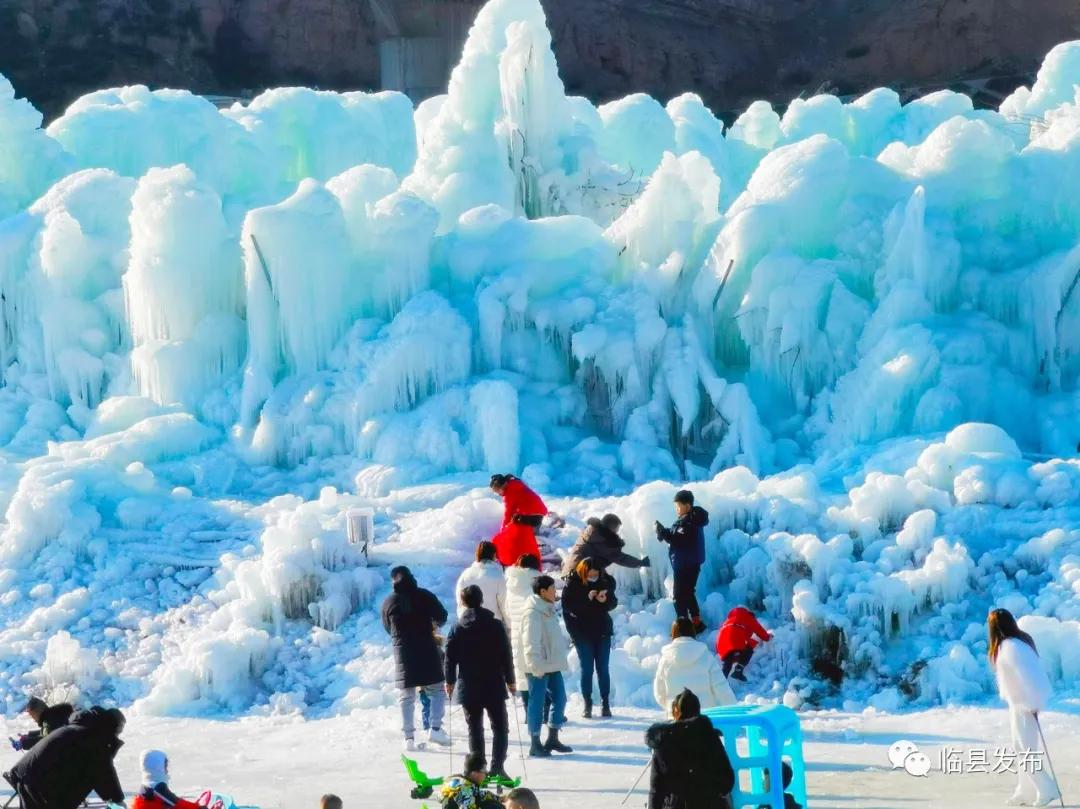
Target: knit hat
[(155, 768)]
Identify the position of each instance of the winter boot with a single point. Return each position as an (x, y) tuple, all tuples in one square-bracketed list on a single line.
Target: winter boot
[(537, 750), (553, 745), (587, 713), (737, 673), (498, 773), (605, 710)]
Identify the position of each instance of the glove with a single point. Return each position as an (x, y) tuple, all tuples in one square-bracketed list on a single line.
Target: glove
[(16, 744), (645, 561)]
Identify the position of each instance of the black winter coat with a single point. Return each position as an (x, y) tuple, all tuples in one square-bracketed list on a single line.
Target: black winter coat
[(686, 539), (690, 767), (603, 546), (410, 615), (586, 617), (478, 658), (52, 718), (73, 761)]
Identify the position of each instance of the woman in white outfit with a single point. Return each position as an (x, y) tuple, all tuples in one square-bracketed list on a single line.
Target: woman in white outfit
[(1023, 684), (487, 574), (519, 589), (688, 663)]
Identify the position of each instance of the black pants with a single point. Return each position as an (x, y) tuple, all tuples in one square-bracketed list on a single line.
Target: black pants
[(686, 605), (740, 656), (500, 730)]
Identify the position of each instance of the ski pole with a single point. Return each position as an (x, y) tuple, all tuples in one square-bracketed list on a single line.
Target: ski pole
[(450, 723), (1046, 750), (521, 749), (641, 775)]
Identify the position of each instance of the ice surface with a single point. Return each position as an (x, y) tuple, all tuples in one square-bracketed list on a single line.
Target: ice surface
[(852, 328)]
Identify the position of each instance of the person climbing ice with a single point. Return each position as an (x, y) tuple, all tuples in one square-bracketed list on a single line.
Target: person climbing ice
[(688, 663), (466, 791), (523, 513), (735, 643), (487, 574), (686, 550), (409, 615), (600, 541), (47, 717), (155, 792), (1023, 684)]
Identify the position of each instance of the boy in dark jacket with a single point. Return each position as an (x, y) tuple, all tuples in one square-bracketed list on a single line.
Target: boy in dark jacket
[(480, 664), (466, 791), (408, 616), (735, 643), (600, 541), (48, 719), (690, 767), (588, 599), (686, 550), (71, 762)]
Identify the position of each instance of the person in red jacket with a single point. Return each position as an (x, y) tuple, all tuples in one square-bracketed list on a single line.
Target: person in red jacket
[(155, 792), (523, 513), (735, 643)]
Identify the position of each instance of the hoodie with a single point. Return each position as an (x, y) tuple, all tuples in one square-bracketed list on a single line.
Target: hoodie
[(491, 580), (687, 663), (691, 768), (410, 616), (519, 581), (686, 539)]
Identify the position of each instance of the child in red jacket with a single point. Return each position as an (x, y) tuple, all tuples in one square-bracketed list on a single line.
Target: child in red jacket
[(735, 643), (155, 792)]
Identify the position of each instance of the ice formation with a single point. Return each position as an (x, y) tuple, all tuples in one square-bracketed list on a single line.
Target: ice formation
[(853, 328)]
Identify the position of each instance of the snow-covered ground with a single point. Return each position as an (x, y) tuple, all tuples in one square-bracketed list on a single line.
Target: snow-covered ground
[(287, 762)]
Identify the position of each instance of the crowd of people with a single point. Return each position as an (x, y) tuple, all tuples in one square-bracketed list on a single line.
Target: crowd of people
[(508, 640)]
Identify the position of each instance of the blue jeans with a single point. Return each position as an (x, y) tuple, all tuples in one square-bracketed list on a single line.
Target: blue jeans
[(548, 684), (594, 653)]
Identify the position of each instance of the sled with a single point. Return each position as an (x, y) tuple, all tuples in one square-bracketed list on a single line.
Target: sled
[(425, 784)]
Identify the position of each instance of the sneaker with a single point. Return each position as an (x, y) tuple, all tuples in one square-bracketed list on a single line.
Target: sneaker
[(409, 746), (438, 736)]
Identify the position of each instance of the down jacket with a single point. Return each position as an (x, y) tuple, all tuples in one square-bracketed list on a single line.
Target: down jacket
[(598, 543), (687, 663), (410, 615), (519, 582), (521, 501), (546, 648), (691, 768), (738, 632), (686, 539), (491, 580), (478, 659), (1021, 678)]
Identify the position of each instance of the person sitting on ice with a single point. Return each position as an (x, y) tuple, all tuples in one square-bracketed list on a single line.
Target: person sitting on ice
[(735, 643), (690, 767), (466, 791), (48, 719), (600, 541), (155, 792), (688, 663), (487, 574), (1023, 684), (523, 512)]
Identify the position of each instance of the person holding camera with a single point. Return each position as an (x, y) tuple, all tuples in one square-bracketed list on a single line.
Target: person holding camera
[(588, 599)]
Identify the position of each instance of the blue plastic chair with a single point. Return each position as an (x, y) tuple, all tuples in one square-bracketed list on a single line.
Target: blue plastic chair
[(770, 734)]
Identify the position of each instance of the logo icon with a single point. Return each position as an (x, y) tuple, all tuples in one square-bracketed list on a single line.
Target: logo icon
[(905, 755)]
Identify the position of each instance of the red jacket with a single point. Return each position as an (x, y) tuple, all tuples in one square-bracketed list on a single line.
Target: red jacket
[(513, 542), (160, 797), (738, 632), (520, 499)]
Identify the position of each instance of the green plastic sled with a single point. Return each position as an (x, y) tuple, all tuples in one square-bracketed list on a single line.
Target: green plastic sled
[(425, 784)]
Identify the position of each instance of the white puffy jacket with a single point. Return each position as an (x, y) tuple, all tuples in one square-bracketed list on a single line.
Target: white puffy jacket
[(686, 663), (489, 577), (519, 582), (545, 646), (1021, 678)]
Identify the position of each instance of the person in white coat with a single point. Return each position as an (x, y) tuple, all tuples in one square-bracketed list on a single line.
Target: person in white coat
[(546, 650), (1023, 684), (688, 663), (487, 574), (519, 589)]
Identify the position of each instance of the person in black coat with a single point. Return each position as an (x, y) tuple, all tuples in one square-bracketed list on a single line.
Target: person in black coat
[(588, 599), (48, 719), (690, 767), (411, 615), (480, 665), (686, 550), (71, 762)]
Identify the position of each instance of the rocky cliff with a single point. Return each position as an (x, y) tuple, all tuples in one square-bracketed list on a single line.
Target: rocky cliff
[(728, 51)]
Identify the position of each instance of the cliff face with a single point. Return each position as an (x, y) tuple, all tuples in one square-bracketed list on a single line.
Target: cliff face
[(728, 51)]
